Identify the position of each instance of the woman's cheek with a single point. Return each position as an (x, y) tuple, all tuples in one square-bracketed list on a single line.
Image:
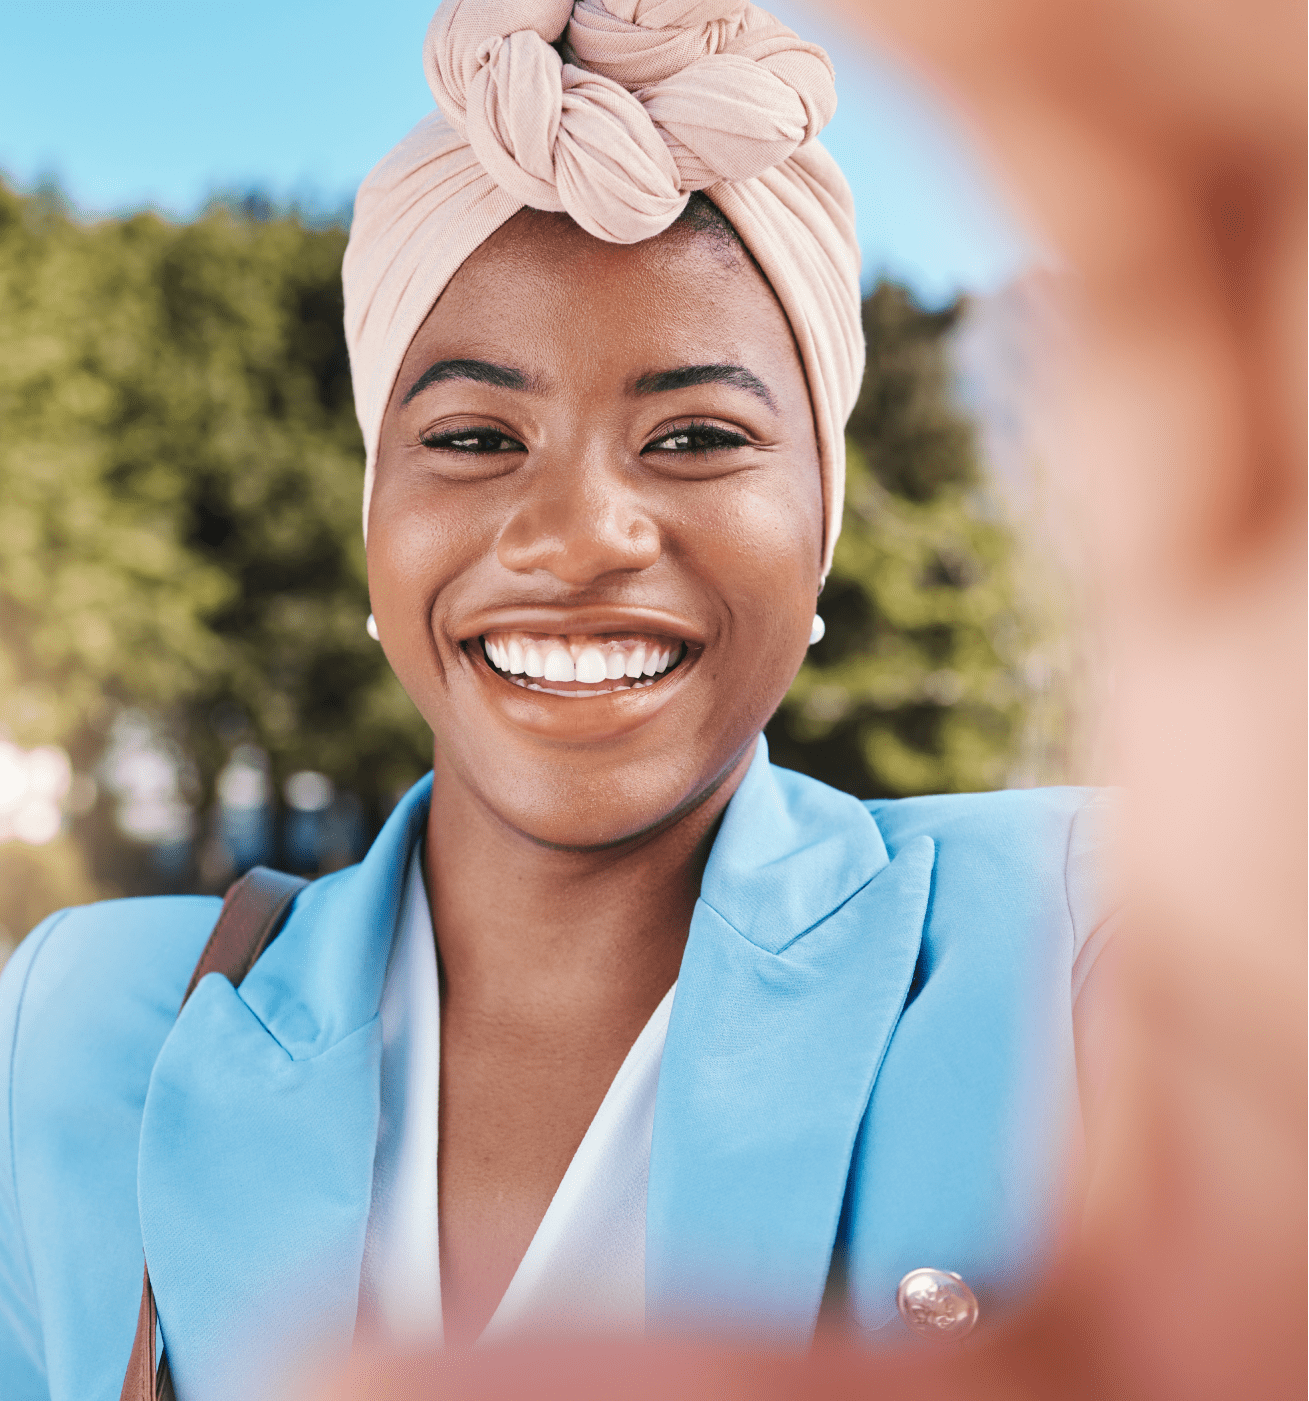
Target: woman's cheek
[(769, 542), (412, 554), (763, 562)]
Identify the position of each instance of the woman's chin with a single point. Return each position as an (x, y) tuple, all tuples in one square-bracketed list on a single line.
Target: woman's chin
[(586, 772), (555, 802)]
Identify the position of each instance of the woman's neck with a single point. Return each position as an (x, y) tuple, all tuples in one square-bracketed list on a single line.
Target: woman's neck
[(523, 926)]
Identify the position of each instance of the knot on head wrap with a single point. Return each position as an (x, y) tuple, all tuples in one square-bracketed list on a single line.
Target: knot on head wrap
[(614, 111), (642, 102)]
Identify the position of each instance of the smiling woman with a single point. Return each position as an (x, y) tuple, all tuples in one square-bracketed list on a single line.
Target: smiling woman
[(617, 1026), (603, 455)]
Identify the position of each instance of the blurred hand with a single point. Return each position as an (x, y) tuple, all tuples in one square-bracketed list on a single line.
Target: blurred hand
[(1161, 148)]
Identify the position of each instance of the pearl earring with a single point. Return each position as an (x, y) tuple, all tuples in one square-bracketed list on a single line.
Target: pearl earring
[(816, 632), (370, 627)]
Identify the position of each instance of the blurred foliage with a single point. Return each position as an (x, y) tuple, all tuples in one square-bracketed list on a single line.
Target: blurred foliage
[(180, 469), (915, 687), (34, 880)]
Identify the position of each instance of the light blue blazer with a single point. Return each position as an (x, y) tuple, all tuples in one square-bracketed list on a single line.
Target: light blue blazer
[(870, 1046)]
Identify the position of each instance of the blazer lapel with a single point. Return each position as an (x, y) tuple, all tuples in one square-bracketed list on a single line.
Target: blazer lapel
[(801, 953), (256, 1157)]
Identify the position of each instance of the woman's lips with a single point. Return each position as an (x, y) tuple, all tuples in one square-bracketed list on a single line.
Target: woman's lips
[(581, 664)]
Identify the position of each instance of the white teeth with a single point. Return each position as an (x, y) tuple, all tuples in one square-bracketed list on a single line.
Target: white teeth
[(559, 666), (591, 666), (578, 660)]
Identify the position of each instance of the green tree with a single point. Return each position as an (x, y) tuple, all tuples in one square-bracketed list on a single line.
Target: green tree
[(916, 686), (180, 469)]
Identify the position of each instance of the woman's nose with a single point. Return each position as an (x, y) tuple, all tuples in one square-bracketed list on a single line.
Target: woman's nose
[(579, 526)]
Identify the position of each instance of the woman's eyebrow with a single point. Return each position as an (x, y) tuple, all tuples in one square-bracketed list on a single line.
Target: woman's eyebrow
[(481, 371), (688, 376)]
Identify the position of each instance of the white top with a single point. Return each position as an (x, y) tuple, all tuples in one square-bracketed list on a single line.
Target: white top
[(585, 1267)]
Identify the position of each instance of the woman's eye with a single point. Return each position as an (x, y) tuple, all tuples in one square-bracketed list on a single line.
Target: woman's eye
[(474, 440), (698, 439)]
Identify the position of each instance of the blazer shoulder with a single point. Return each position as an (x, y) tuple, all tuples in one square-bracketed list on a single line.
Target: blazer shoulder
[(1054, 840), (1043, 815), (98, 980), (113, 944)]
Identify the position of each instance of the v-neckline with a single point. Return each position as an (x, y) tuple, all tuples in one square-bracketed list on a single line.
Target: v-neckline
[(584, 1268)]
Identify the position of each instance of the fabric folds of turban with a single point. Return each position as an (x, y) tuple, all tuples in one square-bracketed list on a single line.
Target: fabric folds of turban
[(613, 111)]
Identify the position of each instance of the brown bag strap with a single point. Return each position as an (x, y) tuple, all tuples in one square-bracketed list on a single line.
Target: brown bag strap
[(252, 915)]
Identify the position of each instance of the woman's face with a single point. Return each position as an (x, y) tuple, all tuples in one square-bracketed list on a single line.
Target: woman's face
[(595, 535)]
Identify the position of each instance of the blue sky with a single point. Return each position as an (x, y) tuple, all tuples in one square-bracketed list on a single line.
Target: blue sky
[(133, 103)]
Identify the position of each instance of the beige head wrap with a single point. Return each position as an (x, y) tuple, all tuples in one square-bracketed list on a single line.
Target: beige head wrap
[(613, 111)]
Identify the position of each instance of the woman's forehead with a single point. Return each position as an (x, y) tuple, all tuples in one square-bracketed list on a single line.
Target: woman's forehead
[(701, 232), (543, 284)]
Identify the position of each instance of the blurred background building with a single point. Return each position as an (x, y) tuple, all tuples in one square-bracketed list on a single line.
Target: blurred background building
[(186, 686)]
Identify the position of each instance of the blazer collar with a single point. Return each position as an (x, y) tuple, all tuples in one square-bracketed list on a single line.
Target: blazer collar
[(801, 953), (789, 852), (257, 1138), (321, 979)]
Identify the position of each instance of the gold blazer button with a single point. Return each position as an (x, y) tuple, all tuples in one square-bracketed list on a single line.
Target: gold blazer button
[(937, 1304)]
